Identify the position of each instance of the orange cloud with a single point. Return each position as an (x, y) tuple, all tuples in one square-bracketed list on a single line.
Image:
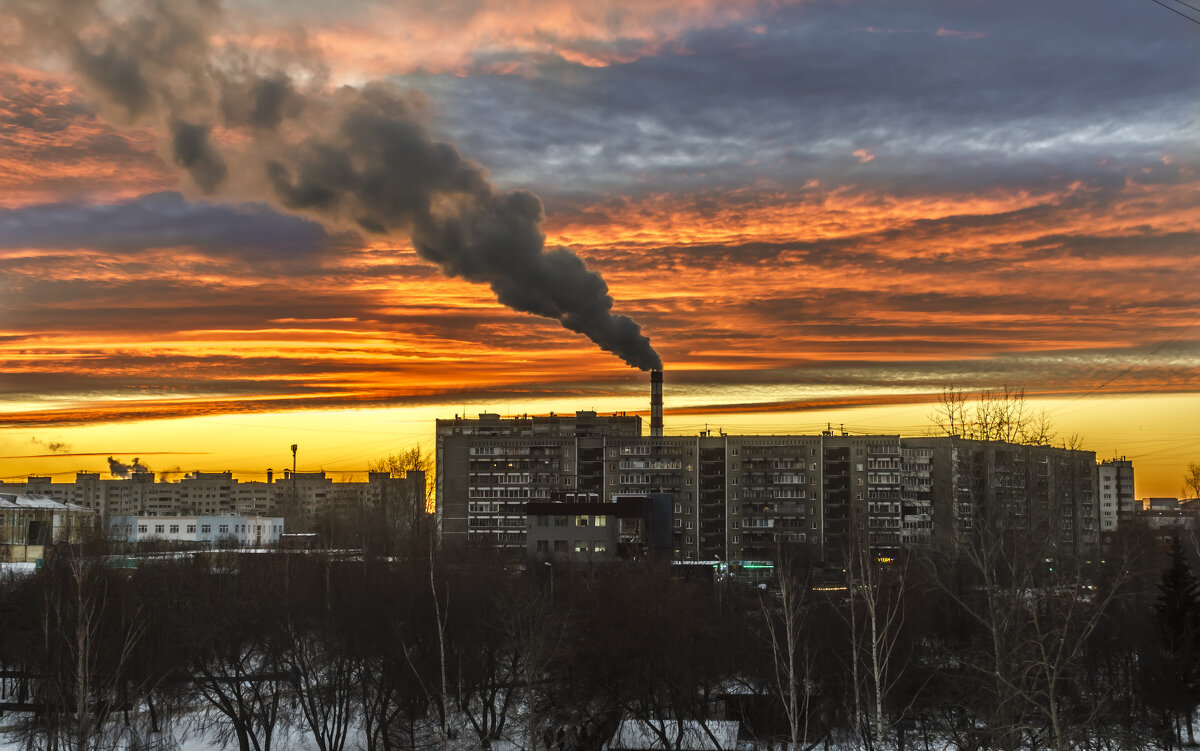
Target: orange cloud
[(446, 37)]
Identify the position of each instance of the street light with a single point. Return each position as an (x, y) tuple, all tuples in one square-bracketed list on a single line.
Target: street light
[(551, 565)]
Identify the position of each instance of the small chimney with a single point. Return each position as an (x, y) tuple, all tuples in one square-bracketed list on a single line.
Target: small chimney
[(656, 421), (270, 476)]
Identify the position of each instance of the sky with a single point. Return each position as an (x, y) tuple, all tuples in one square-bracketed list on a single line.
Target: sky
[(227, 227)]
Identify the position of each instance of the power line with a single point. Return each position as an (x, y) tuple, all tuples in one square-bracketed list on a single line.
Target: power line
[(1179, 12)]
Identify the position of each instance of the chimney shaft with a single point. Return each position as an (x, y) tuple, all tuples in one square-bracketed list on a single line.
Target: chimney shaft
[(656, 420)]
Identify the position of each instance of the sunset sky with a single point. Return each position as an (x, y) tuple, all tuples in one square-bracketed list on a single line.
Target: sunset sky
[(821, 211)]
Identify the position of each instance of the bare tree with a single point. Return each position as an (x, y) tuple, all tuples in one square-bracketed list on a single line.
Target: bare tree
[(950, 412), (235, 656), (787, 623), (1191, 480), (87, 643), (1002, 414)]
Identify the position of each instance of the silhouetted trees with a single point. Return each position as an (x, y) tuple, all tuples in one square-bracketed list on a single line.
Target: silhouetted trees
[(986, 646)]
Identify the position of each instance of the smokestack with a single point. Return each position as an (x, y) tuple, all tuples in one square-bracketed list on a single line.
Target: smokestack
[(656, 378)]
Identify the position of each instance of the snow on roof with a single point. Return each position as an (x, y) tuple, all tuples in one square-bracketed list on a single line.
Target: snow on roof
[(636, 734), (8, 500)]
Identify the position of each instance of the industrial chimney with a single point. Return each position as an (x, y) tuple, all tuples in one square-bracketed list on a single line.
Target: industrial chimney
[(656, 378)]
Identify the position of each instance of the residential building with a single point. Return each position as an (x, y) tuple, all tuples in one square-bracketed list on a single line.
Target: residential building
[(1114, 486), (739, 497), (308, 496)]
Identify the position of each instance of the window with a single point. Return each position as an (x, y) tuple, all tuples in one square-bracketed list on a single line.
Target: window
[(599, 521), (158, 528), (206, 528), (581, 546), (736, 539), (678, 524), (543, 521), (543, 546), (142, 528), (560, 521), (560, 546), (581, 521), (600, 547), (224, 529), (736, 524), (688, 524), (735, 452), (734, 481), (174, 529)]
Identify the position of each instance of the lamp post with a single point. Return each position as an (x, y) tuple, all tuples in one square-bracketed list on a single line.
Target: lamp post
[(551, 565), (295, 497)]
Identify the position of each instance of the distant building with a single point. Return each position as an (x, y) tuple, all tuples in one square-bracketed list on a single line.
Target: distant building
[(209, 531), (307, 497), (1168, 518)]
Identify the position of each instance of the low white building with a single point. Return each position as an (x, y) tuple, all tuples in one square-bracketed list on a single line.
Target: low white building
[(213, 531)]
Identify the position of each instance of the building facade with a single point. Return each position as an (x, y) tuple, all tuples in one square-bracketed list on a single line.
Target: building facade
[(209, 531), (1114, 484), (739, 497), (303, 498), (31, 523)]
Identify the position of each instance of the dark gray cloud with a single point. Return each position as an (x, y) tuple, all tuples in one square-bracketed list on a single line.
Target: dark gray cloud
[(355, 157), (164, 220), (1030, 93)]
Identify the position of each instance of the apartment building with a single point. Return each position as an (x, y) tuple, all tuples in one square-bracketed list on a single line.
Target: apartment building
[(1114, 481), (304, 497), (739, 497), (489, 468)]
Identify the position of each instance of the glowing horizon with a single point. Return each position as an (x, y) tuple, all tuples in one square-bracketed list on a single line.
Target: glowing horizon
[(813, 216)]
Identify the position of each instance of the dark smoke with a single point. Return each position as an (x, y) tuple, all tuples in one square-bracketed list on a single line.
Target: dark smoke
[(360, 157), (119, 469), (54, 447)]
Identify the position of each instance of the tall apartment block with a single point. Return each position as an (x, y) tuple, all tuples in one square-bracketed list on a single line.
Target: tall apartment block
[(489, 468), (1115, 487), (738, 497)]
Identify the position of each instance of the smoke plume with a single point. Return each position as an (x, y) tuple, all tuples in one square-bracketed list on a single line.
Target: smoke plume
[(54, 447), (120, 469), (264, 125)]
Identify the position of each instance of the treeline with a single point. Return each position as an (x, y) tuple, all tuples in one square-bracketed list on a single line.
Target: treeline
[(988, 647)]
